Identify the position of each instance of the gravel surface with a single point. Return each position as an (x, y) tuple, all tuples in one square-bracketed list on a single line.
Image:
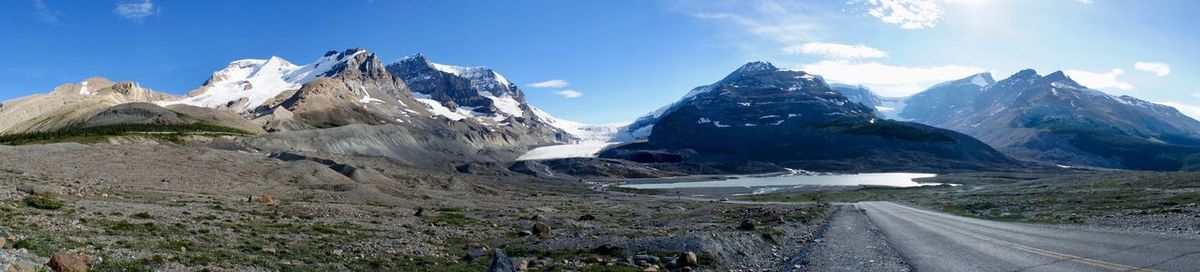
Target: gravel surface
[(850, 243)]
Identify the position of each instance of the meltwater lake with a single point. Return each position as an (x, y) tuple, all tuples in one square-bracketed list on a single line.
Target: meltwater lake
[(874, 179)]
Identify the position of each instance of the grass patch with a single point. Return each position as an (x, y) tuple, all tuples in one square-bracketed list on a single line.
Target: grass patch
[(452, 218), (142, 215), (889, 129), (43, 202), (126, 228), (622, 189), (110, 265), (42, 245), (171, 133)]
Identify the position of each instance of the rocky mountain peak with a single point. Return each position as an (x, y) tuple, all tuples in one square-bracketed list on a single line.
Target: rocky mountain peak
[(756, 66), (1026, 73), (464, 85), (415, 59), (358, 62), (1059, 78), (86, 87)]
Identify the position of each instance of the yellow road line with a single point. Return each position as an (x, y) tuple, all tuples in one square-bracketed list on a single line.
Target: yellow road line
[(1052, 254)]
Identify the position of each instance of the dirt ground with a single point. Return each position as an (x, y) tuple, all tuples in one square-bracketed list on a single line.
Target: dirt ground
[(141, 207)]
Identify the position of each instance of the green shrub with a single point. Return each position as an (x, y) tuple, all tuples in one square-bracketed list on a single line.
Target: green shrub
[(43, 202), (142, 215)]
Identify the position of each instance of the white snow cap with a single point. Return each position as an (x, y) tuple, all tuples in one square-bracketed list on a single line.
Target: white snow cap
[(259, 80)]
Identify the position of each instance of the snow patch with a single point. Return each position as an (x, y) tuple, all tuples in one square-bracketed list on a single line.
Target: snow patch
[(978, 80), (437, 108)]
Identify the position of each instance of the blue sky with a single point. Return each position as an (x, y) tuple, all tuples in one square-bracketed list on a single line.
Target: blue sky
[(619, 58)]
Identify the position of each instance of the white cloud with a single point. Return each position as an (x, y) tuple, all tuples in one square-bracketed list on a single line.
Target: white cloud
[(1158, 68), (1189, 110), (135, 10), (1196, 94), (908, 14), (889, 80), (1085, 2), (1094, 80), (553, 83), (44, 12), (912, 14), (569, 93), (766, 19), (836, 50)]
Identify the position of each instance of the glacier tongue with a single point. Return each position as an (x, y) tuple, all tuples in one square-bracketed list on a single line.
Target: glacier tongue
[(584, 132)]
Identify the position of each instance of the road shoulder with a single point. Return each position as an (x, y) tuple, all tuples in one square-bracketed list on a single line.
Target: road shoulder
[(850, 242)]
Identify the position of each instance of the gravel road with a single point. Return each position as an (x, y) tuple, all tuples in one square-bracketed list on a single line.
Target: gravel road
[(850, 243), (933, 241)]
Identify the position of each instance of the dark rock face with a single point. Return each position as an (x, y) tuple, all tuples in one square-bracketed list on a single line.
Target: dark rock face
[(794, 119), (480, 90), (1053, 119), (464, 89)]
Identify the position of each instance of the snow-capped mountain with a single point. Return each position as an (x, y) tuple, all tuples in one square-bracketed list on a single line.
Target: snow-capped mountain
[(461, 92), (485, 96), (943, 100), (248, 83), (1056, 120), (794, 119)]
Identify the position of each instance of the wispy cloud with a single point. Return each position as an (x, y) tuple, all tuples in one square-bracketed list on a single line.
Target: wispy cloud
[(889, 80), (765, 19), (836, 50), (135, 10), (44, 13), (553, 83), (569, 93), (1085, 2), (1158, 68), (1100, 80), (1189, 110)]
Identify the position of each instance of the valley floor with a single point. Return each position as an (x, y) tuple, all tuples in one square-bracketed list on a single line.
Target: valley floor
[(141, 207)]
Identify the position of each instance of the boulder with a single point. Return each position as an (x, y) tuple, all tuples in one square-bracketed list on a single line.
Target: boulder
[(746, 225), (501, 262), (647, 258), (267, 199), (22, 266), (608, 249), (541, 229), (67, 262), (688, 259), (476, 250), (39, 190)]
